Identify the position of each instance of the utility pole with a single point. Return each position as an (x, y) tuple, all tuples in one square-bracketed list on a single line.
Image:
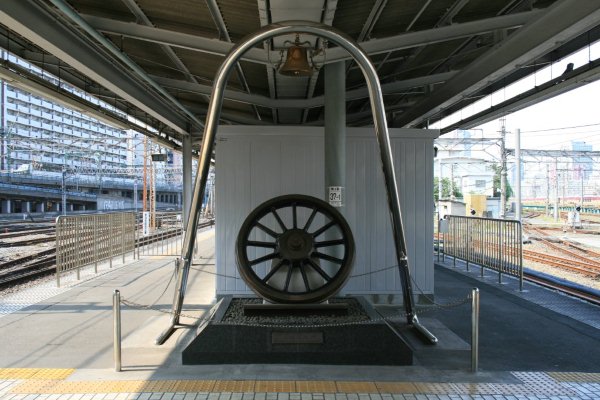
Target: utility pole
[(581, 174), (518, 172), (547, 189), (152, 196), (503, 168), (452, 181), (64, 190), (135, 194), (144, 182), (440, 188), (556, 178), (564, 184)]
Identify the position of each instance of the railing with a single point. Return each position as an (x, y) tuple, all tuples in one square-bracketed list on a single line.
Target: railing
[(83, 240), (159, 236), (162, 237), (491, 243)]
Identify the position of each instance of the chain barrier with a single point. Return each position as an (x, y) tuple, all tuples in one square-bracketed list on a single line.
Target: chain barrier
[(396, 318), (239, 278), (400, 315)]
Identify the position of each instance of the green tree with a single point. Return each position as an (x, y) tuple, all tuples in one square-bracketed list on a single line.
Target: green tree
[(445, 189), (497, 172)]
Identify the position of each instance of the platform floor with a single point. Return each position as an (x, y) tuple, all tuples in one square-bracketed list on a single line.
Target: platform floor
[(535, 344)]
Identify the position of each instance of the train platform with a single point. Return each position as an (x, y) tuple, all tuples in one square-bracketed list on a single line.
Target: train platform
[(57, 344)]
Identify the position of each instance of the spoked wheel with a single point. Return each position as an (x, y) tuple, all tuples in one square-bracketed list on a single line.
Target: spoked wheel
[(295, 249)]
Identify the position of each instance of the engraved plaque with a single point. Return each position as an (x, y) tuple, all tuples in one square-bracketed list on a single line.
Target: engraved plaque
[(297, 338)]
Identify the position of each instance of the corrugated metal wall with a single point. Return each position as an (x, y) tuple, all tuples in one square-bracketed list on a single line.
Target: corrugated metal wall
[(255, 164)]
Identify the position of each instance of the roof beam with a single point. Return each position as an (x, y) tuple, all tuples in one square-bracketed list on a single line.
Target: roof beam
[(435, 35), (263, 101), (173, 38), (562, 84), (560, 23), (375, 46), (30, 20), (416, 18), (372, 19), (452, 12), (215, 12), (265, 19), (327, 19)]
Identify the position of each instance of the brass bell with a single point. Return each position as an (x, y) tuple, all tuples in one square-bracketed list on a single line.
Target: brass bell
[(296, 62)]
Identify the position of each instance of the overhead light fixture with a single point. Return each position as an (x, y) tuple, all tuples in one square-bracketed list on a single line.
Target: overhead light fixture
[(296, 62)]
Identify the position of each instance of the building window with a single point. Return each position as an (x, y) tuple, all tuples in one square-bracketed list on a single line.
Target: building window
[(480, 183)]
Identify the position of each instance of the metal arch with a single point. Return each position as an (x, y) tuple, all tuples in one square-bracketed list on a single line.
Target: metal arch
[(381, 131)]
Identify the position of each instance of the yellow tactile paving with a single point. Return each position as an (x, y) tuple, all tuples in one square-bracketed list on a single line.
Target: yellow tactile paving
[(61, 386), (197, 386), (587, 377), (316, 387), (514, 389), (434, 388), (356, 387), (234, 386), (396, 387), (35, 373), (475, 388), (34, 386), (16, 373), (53, 373), (275, 386)]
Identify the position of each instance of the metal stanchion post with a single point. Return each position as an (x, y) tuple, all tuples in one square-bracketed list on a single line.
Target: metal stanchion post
[(117, 329), (438, 242), (444, 239), (469, 238), (123, 236), (474, 329)]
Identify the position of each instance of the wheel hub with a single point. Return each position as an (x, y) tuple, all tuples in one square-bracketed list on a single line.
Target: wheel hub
[(295, 245)]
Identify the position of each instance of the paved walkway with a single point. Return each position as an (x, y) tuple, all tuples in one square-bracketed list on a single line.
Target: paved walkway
[(60, 346)]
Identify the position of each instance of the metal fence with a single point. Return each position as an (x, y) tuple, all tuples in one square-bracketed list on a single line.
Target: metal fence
[(491, 243), (83, 240), (160, 234)]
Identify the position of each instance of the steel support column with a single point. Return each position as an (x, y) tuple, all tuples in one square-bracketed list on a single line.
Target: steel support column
[(335, 127), (187, 178)]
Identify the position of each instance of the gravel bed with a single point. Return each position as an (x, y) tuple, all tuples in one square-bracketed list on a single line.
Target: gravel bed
[(558, 272), (6, 291), (235, 314), (12, 253)]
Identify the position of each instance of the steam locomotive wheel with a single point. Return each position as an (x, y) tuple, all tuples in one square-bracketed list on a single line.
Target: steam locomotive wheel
[(295, 249)]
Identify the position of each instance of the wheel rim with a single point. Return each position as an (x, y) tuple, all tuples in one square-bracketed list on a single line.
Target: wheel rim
[(295, 249)]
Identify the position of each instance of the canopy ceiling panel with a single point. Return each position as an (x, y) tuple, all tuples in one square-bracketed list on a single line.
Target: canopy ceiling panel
[(432, 57)]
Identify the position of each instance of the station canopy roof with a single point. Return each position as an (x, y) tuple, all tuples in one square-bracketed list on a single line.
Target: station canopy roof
[(156, 59)]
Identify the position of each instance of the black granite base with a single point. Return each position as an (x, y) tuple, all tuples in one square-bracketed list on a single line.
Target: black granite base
[(237, 343)]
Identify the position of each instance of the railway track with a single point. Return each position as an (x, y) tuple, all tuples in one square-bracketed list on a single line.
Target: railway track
[(564, 263), (27, 232), (577, 263), (37, 267), (563, 288), (44, 263)]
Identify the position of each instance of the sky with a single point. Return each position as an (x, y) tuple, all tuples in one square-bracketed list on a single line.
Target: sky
[(551, 124), (554, 123)]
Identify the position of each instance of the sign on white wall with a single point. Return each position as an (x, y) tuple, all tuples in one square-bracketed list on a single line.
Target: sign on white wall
[(336, 196)]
